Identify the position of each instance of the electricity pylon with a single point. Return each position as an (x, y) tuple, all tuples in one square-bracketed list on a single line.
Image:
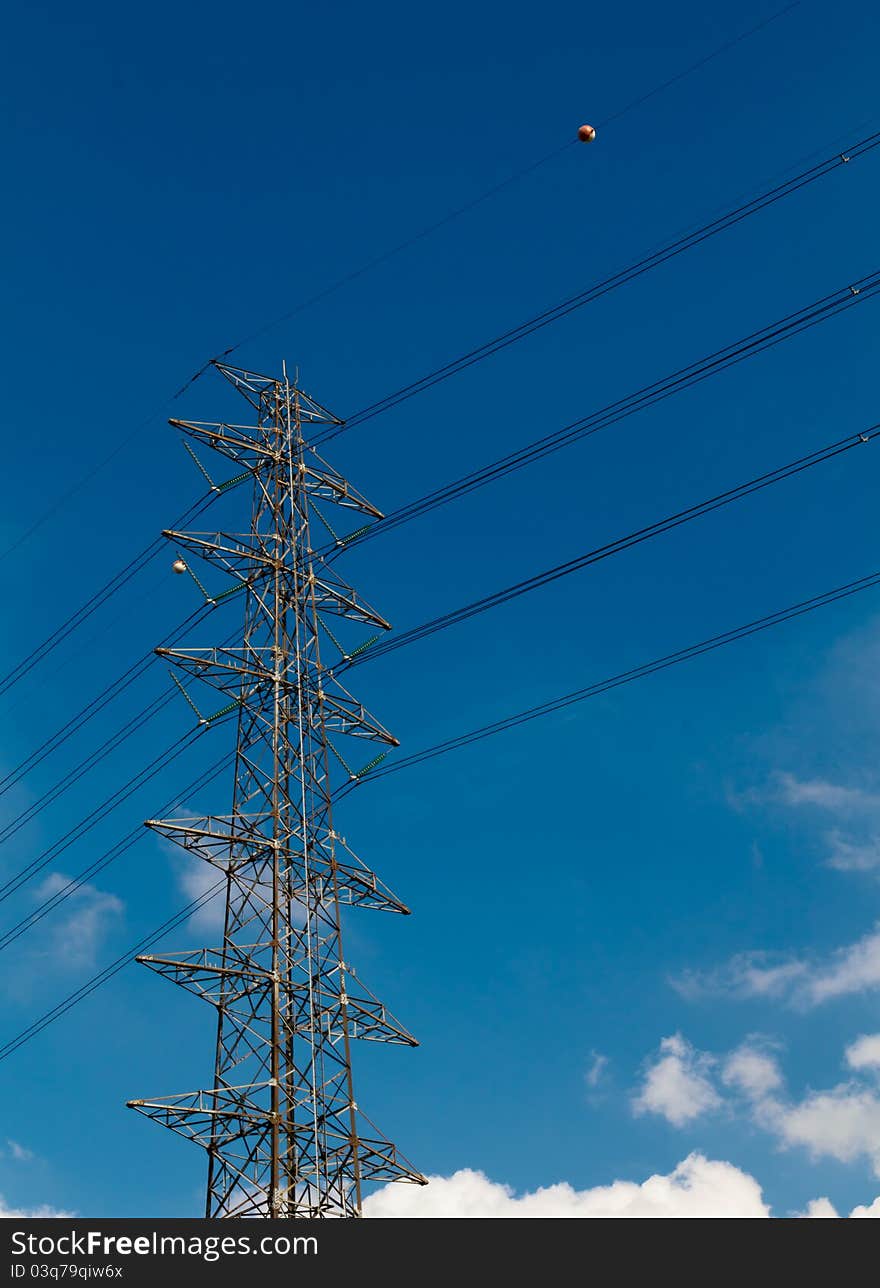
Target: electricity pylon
[(283, 1132)]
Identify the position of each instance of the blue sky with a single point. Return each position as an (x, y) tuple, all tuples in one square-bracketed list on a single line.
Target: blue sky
[(587, 886)]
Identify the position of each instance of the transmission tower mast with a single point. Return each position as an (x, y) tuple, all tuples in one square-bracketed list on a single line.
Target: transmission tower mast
[(283, 1132)]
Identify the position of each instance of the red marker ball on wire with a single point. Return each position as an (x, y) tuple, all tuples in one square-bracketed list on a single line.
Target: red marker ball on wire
[(586, 134)]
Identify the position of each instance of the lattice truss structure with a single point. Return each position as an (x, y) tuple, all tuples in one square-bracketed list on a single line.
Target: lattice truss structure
[(283, 1132)]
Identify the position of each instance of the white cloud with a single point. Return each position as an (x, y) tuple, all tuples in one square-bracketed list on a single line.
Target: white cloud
[(873, 1210), (18, 1152), (855, 968), (76, 938), (820, 1208), (25, 1213), (750, 974), (853, 856), (596, 1072), (677, 1086), (752, 1071), (846, 853), (196, 878), (843, 1123), (697, 1187), (850, 970), (864, 1053), (824, 1208), (824, 795)]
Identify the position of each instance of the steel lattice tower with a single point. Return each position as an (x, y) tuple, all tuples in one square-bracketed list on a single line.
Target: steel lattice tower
[(280, 1123)]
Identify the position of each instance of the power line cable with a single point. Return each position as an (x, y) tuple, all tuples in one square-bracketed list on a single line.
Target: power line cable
[(88, 642), (522, 330), (820, 456), (573, 302), (654, 259), (491, 192), (97, 704), (451, 744), (109, 856), (108, 972), (854, 291), (455, 616), (72, 776), (702, 62), (490, 348), (132, 725), (375, 262), (91, 819), (42, 651), (627, 677), (756, 342)]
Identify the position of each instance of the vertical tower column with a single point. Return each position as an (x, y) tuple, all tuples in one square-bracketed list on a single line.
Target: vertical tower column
[(280, 1123)]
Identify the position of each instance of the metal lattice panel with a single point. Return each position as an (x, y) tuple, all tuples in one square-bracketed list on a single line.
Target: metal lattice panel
[(280, 1123)]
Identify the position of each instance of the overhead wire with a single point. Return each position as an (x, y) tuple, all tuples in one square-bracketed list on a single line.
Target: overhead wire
[(376, 261), (700, 64), (72, 776), (547, 708), (116, 582), (87, 642), (131, 726), (530, 168), (76, 883), (756, 342), (454, 617), (97, 704), (626, 677), (595, 291), (79, 994), (790, 469), (794, 323), (522, 330), (91, 820), (487, 349), (89, 987)]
